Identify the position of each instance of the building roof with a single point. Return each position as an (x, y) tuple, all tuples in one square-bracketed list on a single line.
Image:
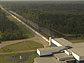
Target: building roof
[(75, 52), (49, 50), (63, 56), (63, 41), (77, 45), (78, 51), (46, 60)]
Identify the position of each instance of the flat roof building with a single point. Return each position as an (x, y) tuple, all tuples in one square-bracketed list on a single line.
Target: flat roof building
[(48, 51), (78, 53), (78, 45), (63, 52), (63, 56), (47, 60), (61, 42)]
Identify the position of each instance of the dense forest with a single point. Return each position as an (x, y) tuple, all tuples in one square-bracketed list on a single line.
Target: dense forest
[(8, 29), (66, 18)]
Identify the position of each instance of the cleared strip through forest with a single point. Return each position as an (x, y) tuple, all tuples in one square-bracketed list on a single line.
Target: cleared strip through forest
[(25, 24)]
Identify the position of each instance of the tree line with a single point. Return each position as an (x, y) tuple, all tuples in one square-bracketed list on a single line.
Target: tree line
[(66, 18), (8, 29)]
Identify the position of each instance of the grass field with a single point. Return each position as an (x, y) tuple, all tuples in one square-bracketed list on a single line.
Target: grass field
[(27, 45), (4, 60), (76, 40), (31, 58), (14, 58), (27, 33)]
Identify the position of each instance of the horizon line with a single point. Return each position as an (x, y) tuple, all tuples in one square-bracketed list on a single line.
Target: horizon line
[(41, 0)]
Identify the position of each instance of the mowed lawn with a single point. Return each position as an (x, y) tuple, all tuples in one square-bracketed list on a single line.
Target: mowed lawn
[(15, 58), (5, 60), (76, 40), (26, 45)]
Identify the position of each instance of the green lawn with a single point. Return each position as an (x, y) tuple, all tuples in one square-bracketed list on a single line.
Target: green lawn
[(4, 60), (27, 45), (28, 56), (27, 33), (76, 40), (31, 58)]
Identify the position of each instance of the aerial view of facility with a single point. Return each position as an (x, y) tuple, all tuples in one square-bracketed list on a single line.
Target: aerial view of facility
[(62, 52), (41, 31)]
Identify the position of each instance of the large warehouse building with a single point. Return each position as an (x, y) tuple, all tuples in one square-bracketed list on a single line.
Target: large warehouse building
[(62, 52)]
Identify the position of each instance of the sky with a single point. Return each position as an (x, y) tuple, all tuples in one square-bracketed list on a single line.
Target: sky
[(41, 0)]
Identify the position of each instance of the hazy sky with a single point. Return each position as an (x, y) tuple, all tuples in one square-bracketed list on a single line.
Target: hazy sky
[(41, 0)]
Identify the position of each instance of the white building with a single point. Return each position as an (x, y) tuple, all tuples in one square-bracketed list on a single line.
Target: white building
[(62, 53)]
